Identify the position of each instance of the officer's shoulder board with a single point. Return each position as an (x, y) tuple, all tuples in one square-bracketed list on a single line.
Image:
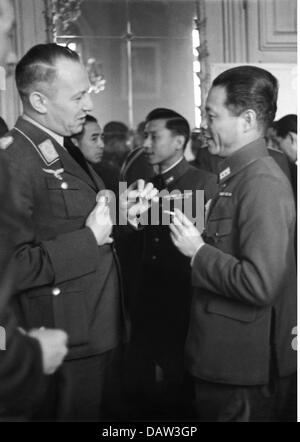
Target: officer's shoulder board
[(5, 142)]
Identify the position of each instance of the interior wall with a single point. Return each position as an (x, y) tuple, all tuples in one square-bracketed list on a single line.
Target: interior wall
[(262, 32), (238, 31), (252, 31), (29, 29), (162, 56)]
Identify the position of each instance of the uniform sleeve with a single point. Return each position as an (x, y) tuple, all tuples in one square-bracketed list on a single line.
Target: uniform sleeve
[(266, 224)]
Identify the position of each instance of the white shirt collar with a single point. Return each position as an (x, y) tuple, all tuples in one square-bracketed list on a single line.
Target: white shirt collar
[(57, 137), (173, 165)]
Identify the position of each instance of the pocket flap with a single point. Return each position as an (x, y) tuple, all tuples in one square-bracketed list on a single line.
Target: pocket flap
[(219, 227), (231, 309)]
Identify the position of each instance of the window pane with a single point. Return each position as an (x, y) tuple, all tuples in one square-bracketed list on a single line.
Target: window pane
[(162, 55)]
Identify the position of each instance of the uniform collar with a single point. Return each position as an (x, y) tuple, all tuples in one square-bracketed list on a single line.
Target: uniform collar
[(52, 153), (57, 137), (174, 173), (242, 158), (171, 167)]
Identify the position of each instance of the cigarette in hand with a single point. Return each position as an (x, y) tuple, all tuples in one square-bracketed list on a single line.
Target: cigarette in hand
[(170, 212)]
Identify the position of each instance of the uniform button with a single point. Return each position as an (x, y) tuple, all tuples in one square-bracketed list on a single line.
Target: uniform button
[(56, 291), (64, 185), (154, 257), (156, 239)]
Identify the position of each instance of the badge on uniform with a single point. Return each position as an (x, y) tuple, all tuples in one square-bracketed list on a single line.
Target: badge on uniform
[(178, 196), (56, 173), (225, 173), (48, 152), (225, 194), (169, 180)]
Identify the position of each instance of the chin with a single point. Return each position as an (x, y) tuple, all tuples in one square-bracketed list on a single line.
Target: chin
[(77, 129), (214, 150), (94, 160)]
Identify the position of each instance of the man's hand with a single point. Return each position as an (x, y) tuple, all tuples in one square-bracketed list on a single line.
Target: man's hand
[(137, 199), (184, 235), (54, 347), (100, 223)]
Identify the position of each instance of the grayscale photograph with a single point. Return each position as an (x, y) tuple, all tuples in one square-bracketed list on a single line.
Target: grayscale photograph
[(148, 213)]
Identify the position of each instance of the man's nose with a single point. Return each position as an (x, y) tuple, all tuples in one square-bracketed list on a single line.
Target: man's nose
[(147, 143), (100, 143), (87, 103)]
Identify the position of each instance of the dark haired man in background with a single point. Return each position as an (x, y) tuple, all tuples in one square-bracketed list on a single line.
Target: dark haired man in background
[(285, 138), (116, 147), (161, 309), (239, 348), (90, 140)]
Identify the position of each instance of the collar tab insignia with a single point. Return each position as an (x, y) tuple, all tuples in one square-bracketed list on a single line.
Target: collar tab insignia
[(224, 173), (48, 152)]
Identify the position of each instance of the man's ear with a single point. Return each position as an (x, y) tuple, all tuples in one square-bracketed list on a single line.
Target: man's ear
[(75, 141), (179, 142), (38, 101), (293, 137), (250, 120)]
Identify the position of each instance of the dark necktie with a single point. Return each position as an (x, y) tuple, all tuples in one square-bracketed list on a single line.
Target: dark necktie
[(77, 155), (158, 182)]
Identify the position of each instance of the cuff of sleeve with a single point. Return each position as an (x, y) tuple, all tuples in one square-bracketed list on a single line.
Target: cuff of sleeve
[(194, 256)]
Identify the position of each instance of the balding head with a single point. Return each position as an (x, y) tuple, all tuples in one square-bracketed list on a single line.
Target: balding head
[(37, 70)]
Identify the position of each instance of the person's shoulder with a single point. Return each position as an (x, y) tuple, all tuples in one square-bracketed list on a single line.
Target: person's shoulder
[(267, 166), (265, 176), (19, 148), (6, 141), (282, 161), (14, 141)]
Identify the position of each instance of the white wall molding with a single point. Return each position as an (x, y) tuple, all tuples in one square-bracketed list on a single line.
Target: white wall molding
[(277, 25)]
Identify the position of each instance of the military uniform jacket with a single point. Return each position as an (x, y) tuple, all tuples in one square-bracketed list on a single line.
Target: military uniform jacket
[(244, 304), (165, 286), (178, 188), (64, 279)]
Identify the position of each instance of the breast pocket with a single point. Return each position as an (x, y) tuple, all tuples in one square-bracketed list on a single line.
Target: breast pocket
[(218, 230), (232, 310), (68, 199)]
